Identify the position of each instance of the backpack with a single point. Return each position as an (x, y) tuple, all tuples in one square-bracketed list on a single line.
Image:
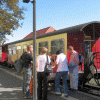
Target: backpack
[(80, 59), (18, 65)]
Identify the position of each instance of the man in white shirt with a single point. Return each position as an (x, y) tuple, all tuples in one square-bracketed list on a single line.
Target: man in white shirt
[(62, 71), (74, 74)]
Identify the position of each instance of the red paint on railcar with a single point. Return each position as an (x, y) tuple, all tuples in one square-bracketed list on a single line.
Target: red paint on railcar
[(4, 53), (96, 48)]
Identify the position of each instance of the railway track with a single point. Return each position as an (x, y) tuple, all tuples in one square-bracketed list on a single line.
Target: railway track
[(91, 89)]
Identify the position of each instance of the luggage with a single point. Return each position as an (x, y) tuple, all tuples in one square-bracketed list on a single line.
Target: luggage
[(18, 65)]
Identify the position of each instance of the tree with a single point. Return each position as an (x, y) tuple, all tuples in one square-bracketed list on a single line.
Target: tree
[(10, 14), (2, 39)]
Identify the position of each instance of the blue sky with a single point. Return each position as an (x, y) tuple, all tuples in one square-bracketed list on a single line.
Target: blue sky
[(58, 14)]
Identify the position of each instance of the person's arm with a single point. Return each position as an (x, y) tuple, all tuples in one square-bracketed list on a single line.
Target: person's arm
[(50, 62), (76, 59), (57, 60), (37, 66), (21, 57), (31, 58), (66, 60)]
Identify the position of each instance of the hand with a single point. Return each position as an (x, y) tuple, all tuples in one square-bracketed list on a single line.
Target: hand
[(50, 75), (53, 65), (76, 63)]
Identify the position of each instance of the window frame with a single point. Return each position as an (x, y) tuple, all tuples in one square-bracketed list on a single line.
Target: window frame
[(57, 46), (13, 50), (39, 48), (19, 49), (24, 48), (10, 50)]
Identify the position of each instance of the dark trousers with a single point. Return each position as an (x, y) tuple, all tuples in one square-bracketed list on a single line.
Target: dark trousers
[(42, 79)]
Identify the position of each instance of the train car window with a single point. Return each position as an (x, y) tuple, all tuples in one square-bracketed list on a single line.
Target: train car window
[(24, 48), (13, 50), (18, 49), (57, 44), (9, 50), (42, 44)]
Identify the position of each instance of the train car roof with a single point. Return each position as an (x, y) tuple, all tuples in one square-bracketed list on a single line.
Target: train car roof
[(68, 30)]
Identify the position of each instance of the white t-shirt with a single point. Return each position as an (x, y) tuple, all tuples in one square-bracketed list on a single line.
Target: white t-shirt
[(62, 62), (41, 60)]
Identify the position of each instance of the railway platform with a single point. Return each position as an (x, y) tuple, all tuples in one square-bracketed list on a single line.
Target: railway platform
[(11, 88)]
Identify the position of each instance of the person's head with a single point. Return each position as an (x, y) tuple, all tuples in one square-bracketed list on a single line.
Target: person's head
[(58, 52), (44, 50), (70, 49), (30, 48), (50, 54)]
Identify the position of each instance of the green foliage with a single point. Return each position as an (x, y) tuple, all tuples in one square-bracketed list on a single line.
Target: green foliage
[(10, 16)]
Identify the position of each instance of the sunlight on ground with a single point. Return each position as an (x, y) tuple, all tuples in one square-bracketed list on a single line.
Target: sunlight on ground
[(2, 89)]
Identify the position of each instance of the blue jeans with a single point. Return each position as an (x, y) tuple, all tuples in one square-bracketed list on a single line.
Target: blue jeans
[(74, 78), (27, 72), (62, 74)]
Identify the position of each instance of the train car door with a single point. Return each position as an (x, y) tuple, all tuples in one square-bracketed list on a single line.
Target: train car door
[(87, 43)]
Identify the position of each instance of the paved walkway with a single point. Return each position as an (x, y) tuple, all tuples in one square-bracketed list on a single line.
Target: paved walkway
[(11, 88)]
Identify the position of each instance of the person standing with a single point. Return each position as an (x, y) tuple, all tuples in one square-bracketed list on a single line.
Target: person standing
[(62, 71), (41, 75), (51, 59), (50, 55), (27, 72), (74, 74)]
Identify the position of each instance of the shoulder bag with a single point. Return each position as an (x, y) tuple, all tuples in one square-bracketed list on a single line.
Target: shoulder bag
[(48, 68)]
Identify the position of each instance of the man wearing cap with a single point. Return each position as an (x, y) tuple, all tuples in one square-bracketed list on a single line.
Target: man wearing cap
[(74, 61)]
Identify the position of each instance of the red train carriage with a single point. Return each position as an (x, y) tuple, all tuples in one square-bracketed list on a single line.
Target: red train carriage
[(3, 54)]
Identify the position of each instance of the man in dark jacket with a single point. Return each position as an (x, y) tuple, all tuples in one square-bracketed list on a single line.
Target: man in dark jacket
[(27, 72)]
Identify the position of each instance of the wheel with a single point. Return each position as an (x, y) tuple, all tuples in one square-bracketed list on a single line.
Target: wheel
[(93, 67), (9, 65)]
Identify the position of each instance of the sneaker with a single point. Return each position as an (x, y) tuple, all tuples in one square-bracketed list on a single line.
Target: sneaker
[(58, 93), (65, 95), (69, 88), (28, 97), (75, 89)]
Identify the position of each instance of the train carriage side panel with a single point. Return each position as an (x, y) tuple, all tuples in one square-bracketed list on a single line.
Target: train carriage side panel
[(16, 50), (20, 49)]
